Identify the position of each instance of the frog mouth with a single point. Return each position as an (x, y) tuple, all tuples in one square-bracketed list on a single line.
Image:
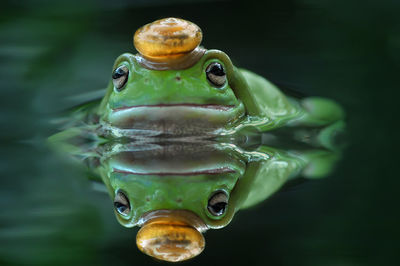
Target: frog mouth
[(182, 119), (213, 171), (191, 105)]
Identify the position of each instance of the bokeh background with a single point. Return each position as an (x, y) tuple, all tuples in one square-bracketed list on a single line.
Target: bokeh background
[(53, 52)]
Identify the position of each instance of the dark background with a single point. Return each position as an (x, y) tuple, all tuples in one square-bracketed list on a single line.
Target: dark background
[(51, 51)]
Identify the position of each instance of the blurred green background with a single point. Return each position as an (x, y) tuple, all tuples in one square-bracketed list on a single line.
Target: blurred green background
[(53, 51)]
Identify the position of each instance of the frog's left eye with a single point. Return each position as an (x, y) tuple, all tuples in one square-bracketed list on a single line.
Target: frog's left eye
[(119, 77), (217, 203), (216, 74), (121, 204)]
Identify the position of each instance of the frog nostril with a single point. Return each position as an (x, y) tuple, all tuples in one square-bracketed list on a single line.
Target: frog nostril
[(178, 78)]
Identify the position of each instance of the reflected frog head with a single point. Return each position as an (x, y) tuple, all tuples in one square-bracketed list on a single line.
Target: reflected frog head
[(174, 192), (140, 182)]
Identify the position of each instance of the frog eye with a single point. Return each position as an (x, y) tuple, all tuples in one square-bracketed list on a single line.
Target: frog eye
[(216, 74), (119, 77), (217, 203), (121, 203)]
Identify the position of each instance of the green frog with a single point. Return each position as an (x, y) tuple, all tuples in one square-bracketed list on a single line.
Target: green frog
[(177, 191), (173, 187), (175, 87)]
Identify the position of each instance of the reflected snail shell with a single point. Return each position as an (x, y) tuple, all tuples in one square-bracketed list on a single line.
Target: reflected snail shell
[(169, 240)]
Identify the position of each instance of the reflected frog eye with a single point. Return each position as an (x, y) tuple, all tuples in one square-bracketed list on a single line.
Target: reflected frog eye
[(217, 203), (216, 74), (119, 77), (121, 203)]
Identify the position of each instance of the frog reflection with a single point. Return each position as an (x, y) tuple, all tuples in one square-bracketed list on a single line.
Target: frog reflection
[(177, 191), (171, 188)]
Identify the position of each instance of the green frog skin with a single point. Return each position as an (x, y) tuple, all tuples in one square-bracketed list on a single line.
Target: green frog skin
[(202, 93)]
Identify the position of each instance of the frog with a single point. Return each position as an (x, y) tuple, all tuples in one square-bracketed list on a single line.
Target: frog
[(183, 139), (176, 192), (175, 87)]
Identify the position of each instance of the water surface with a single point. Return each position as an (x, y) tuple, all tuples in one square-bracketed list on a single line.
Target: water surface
[(54, 55)]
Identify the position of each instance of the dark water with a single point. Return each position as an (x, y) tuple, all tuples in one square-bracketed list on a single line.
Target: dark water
[(345, 50)]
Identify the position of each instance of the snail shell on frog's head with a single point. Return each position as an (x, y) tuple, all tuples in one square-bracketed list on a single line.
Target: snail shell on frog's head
[(169, 43)]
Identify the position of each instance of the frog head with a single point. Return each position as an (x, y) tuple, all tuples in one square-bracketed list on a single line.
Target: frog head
[(174, 193), (173, 86)]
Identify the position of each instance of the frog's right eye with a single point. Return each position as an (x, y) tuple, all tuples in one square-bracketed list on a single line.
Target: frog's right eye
[(121, 204), (119, 77)]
